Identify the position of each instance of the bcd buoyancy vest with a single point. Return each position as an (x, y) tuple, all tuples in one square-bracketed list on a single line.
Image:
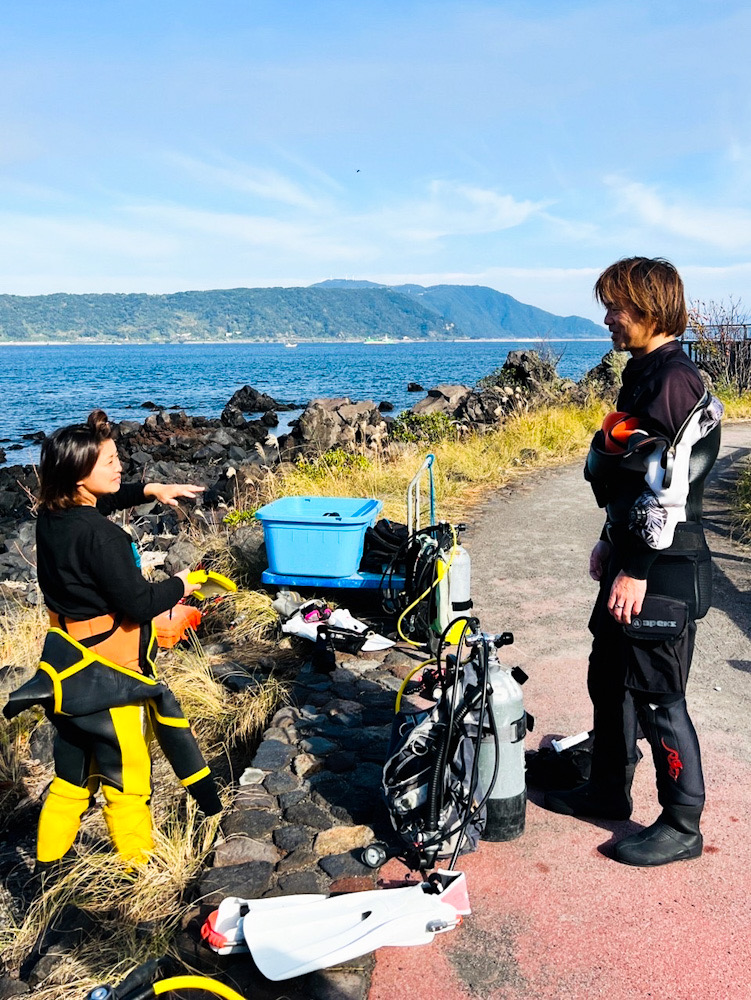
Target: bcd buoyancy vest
[(655, 483)]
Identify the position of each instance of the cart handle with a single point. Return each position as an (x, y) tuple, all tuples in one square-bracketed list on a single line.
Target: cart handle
[(413, 495)]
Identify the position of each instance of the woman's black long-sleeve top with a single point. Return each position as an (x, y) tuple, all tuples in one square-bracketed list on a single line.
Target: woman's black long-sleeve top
[(86, 564)]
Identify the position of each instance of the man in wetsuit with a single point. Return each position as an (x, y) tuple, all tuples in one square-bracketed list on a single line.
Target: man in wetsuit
[(651, 558)]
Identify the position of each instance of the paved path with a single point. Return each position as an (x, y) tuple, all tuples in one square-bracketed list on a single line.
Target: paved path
[(554, 918)]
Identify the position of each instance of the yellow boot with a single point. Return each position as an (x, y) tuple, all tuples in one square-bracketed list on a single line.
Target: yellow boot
[(60, 819), (128, 819)]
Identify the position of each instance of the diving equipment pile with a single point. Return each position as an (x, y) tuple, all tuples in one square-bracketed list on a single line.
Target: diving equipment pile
[(457, 769), (426, 573), (436, 585), (315, 620), (290, 936)]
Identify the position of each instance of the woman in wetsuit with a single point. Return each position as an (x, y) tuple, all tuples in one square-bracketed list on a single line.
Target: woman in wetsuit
[(96, 677)]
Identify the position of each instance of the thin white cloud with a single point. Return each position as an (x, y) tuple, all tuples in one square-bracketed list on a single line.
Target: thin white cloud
[(724, 228), (577, 230), (17, 188), (43, 238), (268, 185), (451, 209), (249, 230)]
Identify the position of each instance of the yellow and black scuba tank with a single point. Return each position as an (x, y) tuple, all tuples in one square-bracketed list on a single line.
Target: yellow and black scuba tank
[(437, 585)]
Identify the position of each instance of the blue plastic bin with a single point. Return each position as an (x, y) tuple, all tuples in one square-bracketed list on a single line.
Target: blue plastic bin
[(316, 536)]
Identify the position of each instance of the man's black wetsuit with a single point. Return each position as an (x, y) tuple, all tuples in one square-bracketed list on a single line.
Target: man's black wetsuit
[(632, 680)]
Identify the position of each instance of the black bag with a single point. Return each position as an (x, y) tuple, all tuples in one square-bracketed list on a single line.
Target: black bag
[(384, 544), (660, 649), (684, 571), (554, 770)]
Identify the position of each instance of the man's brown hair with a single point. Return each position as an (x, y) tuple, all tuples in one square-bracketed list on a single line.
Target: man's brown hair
[(652, 286)]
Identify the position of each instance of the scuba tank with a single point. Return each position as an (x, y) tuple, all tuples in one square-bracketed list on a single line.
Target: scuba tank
[(502, 749), (436, 597), (453, 601)]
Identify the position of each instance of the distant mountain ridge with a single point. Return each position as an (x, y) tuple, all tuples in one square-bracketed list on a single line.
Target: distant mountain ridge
[(483, 313), (329, 310)]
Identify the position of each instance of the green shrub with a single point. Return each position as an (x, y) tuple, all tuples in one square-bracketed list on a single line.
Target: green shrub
[(500, 378), (235, 518), (424, 428), (332, 462)]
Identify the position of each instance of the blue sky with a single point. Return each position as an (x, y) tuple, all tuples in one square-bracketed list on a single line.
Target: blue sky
[(163, 146)]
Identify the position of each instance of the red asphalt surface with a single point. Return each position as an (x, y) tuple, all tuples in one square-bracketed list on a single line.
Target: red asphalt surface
[(553, 916)]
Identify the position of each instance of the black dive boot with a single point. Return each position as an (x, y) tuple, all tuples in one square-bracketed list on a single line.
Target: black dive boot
[(598, 798), (674, 837)]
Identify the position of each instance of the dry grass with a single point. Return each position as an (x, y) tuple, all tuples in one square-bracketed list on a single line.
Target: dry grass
[(15, 737), (737, 404), (220, 718), (22, 631), (249, 617), (133, 913), (741, 507), (465, 470)]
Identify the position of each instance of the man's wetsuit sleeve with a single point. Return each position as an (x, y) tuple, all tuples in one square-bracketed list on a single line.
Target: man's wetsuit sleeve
[(637, 558)]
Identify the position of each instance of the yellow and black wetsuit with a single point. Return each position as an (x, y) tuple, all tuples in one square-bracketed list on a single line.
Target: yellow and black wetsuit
[(96, 684)]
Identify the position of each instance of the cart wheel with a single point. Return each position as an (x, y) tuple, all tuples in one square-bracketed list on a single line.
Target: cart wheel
[(374, 855)]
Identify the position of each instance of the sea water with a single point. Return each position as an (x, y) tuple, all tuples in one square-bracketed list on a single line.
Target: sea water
[(45, 386)]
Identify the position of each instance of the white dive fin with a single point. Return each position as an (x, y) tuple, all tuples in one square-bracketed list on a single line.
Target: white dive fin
[(288, 941), (223, 928)]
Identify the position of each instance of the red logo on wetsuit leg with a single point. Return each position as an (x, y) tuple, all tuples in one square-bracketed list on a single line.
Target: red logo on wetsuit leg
[(675, 764)]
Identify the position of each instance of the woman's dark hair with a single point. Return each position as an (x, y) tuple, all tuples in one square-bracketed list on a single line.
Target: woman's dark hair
[(68, 456)]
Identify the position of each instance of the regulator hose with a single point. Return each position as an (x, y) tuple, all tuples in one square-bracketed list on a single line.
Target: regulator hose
[(428, 571), (482, 655), (437, 773), (196, 983)]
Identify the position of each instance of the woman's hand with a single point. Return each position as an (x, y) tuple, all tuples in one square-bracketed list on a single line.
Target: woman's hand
[(626, 597), (598, 559), (188, 588), (168, 493)]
